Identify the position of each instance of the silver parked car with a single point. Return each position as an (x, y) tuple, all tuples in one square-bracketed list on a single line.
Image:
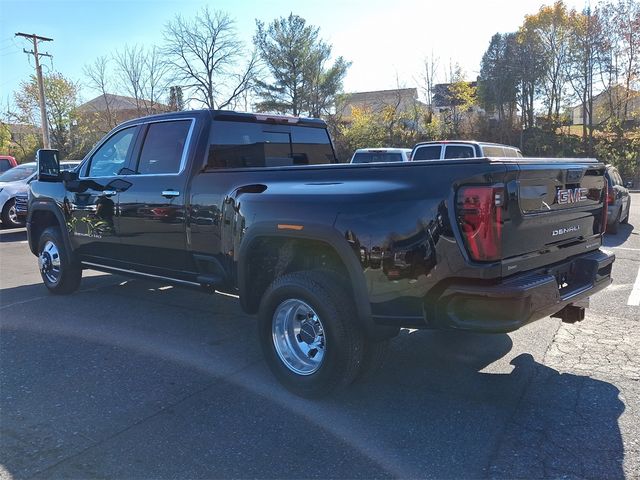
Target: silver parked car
[(14, 185)]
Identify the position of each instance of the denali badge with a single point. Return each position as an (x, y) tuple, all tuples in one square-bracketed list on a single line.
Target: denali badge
[(562, 231), (571, 195)]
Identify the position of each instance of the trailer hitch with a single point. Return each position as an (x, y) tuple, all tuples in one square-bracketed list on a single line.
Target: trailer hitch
[(570, 314)]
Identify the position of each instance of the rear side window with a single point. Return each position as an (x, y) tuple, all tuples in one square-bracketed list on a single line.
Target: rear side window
[(376, 157), (494, 151), (251, 145), (431, 152), (163, 147), (511, 152), (459, 151), (4, 164)]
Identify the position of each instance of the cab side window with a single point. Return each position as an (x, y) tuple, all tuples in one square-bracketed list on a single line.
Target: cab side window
[(163, 148), (110, 158), (431, 152), (459, 151)]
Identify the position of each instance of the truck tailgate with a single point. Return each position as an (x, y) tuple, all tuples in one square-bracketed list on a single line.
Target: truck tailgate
[(554, 209)]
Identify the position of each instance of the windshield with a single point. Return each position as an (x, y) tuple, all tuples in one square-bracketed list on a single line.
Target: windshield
[(376, 157), (18, 173)]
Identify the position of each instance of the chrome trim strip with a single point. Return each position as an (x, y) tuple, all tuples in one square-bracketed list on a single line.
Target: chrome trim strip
[(135, 272)]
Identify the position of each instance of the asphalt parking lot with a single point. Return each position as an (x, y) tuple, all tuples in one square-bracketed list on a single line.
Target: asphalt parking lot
[(130, 379)]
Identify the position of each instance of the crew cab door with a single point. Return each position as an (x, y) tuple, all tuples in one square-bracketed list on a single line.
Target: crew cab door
[(92, 207), (152, 219)]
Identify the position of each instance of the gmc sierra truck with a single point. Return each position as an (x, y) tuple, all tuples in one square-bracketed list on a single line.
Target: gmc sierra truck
[(334, 258)]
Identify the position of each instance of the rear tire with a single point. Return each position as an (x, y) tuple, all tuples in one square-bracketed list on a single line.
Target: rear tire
[(308, 333), (9, 215), (61, 272)]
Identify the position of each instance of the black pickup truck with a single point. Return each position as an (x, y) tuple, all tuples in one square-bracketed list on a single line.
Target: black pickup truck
[(335, 258)]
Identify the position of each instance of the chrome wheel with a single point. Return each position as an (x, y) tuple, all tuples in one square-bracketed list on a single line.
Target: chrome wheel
[(13, 215), (49, 261), (298, 336)]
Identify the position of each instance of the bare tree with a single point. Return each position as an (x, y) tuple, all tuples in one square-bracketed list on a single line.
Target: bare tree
[(427, 81), (131, 71), (157, 80), (205, 53), (99, 79)]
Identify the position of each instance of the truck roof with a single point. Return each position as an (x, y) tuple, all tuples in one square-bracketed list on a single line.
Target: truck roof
[(233, 116), (469, 142)]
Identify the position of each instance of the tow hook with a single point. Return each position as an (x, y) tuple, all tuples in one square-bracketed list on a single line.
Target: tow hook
[(570, 314)]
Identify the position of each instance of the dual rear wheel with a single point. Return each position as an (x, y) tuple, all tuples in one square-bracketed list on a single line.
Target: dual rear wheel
[(310, 337)]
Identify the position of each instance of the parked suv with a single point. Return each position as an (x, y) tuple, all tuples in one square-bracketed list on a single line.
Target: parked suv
[(445, 149), (618, 200)]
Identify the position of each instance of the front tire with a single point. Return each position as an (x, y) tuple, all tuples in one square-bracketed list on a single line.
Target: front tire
[(10, 216), (308, 333), (60, 271)]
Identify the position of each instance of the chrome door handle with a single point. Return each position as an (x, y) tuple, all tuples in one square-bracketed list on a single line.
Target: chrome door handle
[(170, 193), (109, 193)]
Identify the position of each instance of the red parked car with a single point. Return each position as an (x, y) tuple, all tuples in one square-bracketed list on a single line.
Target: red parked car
[(7, 162)]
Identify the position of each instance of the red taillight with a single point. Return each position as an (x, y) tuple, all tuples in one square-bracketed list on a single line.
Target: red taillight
[(605, 204), (480, 218), (611, 195)]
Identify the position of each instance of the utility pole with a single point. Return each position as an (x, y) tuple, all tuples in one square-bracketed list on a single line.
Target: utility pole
[(43, 107)]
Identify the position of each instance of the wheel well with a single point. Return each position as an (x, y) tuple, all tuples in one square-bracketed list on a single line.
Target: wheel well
[(40, 220), (272, 257)]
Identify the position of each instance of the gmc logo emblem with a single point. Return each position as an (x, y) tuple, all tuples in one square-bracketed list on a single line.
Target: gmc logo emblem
[(571, 195)]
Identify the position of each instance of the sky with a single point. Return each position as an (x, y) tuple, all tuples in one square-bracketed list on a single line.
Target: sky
[(386, 41)]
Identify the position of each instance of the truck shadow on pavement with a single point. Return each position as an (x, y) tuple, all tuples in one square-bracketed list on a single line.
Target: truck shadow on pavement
[(131, 380), (625, 230), (533, 422)]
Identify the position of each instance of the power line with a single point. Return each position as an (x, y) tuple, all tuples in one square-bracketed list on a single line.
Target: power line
[(36, 55)]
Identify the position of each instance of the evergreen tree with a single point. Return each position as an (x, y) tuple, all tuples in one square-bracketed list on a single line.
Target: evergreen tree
[(297, 58)]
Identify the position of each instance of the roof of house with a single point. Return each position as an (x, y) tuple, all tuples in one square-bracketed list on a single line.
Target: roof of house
[(115, 103), (618, 90), (363, 96), (20, 128)]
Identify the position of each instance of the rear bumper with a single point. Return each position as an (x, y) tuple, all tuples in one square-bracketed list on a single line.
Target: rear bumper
[(523, 298)]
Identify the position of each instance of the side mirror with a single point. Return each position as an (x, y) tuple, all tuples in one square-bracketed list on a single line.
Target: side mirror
[(70, 180), (48, 165), (69, 175)]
